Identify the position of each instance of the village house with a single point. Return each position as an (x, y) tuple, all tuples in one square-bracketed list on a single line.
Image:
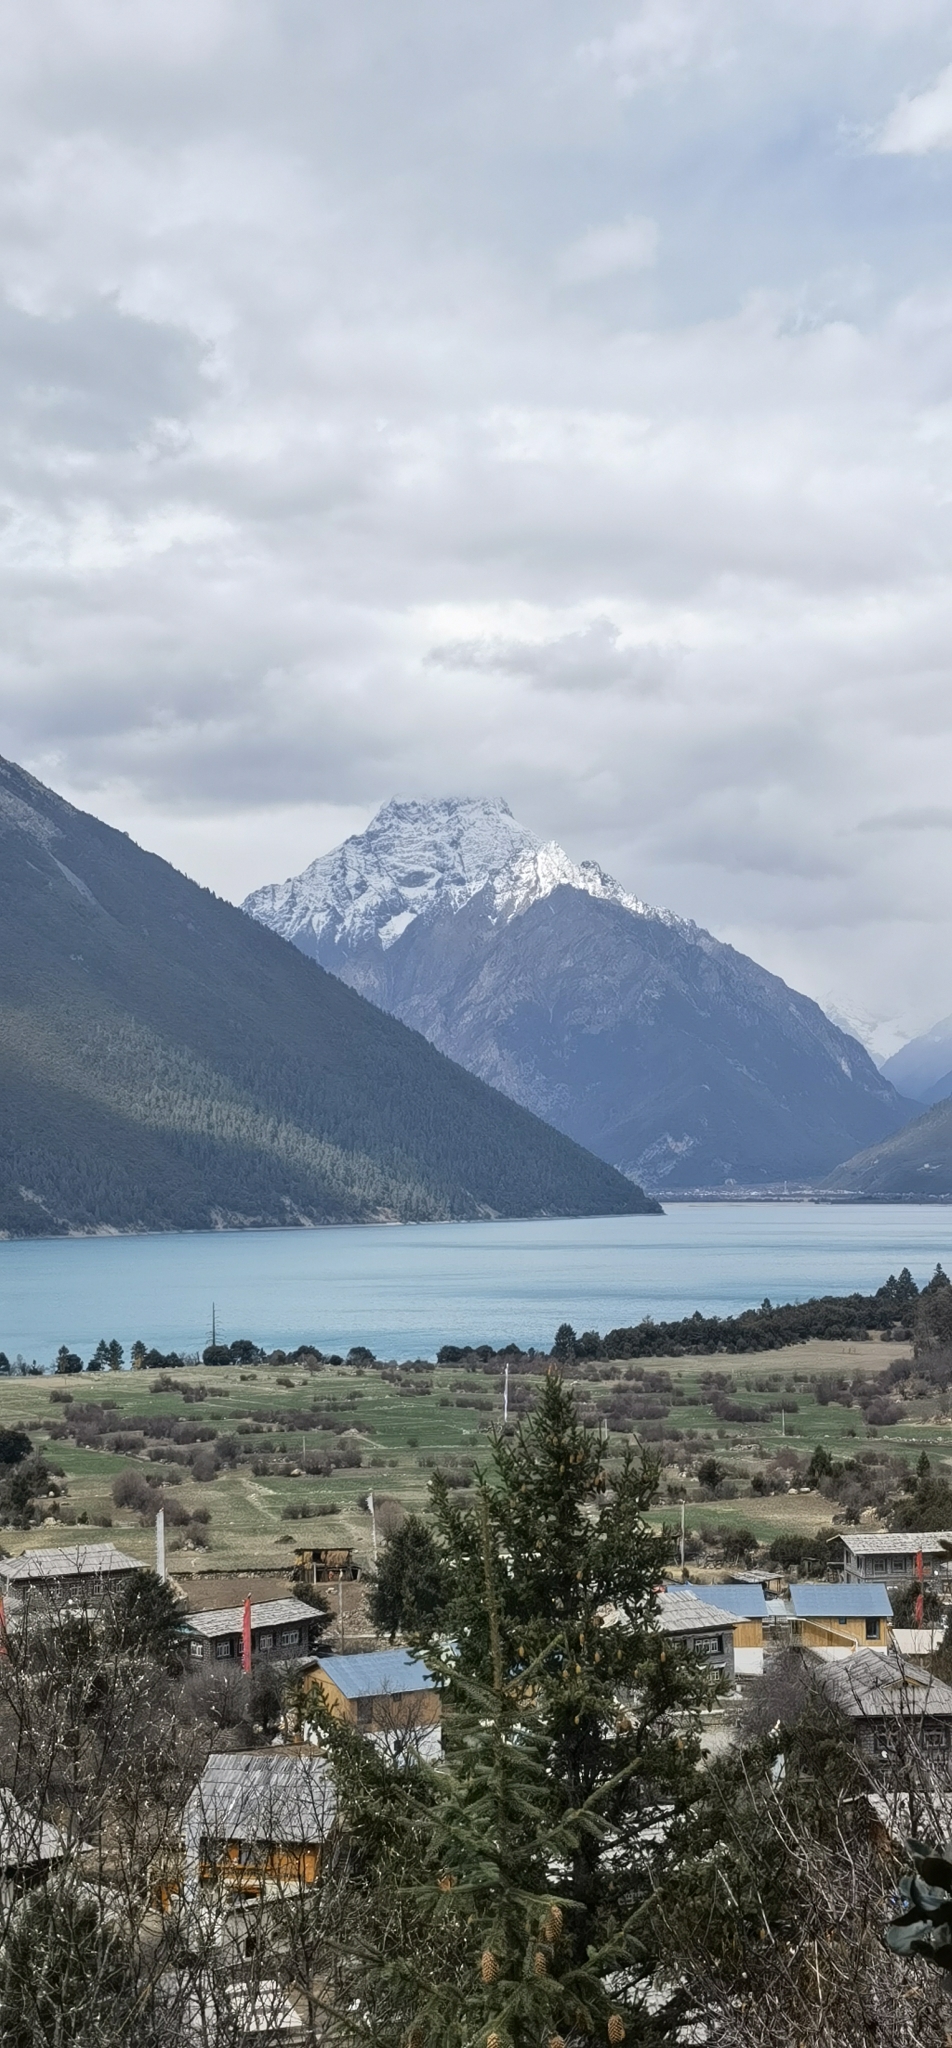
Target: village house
[(704, 1629), (258, 1821), (890, 1558), (892, 1704), (837, 1620), (84, 1575), (378, 1691), (281, 1632), (748, 1606)]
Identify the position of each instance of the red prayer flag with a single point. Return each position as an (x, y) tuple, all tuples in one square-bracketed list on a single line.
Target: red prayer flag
[(246, 1637)]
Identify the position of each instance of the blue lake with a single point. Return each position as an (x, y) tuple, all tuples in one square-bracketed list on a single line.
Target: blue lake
[(405, 1291)]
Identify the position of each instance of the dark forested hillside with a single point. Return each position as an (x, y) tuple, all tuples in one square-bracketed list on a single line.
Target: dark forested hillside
[(915, 1164), (167, 1063)]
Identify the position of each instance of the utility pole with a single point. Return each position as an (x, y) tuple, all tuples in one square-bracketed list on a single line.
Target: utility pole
[(340, 1608), (213, 1322), (505, 1394), (682, 1539)]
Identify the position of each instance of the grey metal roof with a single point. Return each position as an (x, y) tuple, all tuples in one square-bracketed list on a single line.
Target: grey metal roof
[(81, 1560), (896, 1543), (873, 1686), (745, 1603), (263, 1795), (372, 1672), (840, 1601), (24, 1838), (228, 1621), (681, 1613)]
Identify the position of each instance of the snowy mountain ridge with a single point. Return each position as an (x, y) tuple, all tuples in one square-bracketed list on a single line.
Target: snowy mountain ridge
[(416, 859)]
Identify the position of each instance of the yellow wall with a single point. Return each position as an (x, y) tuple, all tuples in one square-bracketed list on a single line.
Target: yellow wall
[(748, 1635), (832, 1634), (387, 1710)]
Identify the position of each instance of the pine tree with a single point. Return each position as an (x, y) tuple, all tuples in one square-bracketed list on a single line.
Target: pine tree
[(507, 1893), (409, 1596)]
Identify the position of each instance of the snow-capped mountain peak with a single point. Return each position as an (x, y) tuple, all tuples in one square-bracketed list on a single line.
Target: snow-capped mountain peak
[(538, 870)]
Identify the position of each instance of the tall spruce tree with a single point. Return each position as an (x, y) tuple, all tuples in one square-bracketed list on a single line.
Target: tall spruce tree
[(505, 1894)]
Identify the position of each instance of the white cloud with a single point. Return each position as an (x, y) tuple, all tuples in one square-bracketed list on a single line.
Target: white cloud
[(312, 487), (920, 124), (629, 244)]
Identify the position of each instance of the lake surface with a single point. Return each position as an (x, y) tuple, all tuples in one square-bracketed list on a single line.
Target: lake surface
[(404, 1291)]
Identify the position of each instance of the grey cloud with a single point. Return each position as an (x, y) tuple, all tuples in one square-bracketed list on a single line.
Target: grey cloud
[(594, 658)]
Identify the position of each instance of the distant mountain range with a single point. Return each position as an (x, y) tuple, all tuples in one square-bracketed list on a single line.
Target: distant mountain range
[(914, 1165), (661, 1049), (923, 1068), (166, 1063)]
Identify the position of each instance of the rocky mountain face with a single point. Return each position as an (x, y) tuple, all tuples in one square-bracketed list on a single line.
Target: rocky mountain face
[(661, 1049), (923, 1068), (166, 1063), (914, 1165)]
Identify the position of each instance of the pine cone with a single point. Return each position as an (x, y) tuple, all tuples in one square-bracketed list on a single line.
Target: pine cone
[(616, 2027), (445, 1881), (493, 2041), (556, 2041), (488, 1967), (540, 1963), (552, 1924)]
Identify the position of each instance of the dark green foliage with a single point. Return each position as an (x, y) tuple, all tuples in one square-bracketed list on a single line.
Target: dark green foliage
[(928, 1506), (563, 1347), (66, 1975), (933, 1326), (169, 1063), (67, 1361), (770, 1328), (147, 1617), (509, 1888), (409, 1593), (15, 1445), (21, 1489), (905, 1598)]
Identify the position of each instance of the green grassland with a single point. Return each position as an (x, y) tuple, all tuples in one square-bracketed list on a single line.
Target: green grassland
[(405, 1424)]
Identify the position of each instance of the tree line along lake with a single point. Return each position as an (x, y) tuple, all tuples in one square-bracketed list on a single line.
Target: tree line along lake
[(403, 1291)]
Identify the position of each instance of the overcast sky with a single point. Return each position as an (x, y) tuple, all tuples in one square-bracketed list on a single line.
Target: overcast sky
[(551, 400)]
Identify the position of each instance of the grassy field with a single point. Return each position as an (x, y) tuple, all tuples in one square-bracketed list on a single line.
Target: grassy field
[(407, 1424)]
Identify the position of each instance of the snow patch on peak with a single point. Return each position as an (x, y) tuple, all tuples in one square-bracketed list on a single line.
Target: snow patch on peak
[(535, 873)]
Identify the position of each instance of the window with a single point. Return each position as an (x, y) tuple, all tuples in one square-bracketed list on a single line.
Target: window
[(872, 1631), (365, 1711), (266, 1640), (196, 1649), (223, 1649), (290, 1635), (708, 1646)]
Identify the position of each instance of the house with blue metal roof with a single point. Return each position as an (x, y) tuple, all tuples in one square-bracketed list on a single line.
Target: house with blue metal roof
[(378, 1691), (837, 1620), (748, 1606)]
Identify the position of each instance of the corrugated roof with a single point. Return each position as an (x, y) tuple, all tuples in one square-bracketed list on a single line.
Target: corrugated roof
[(840, 1601), (372, 1672), (86, 1560), (896, 1543), (679, 1613), (871, 1686), (272, 1795), (745, 1603), (228, 1621)]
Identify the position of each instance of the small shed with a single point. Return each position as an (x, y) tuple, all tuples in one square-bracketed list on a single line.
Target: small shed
[(837, 1620), (324, 1564), (379, 1691), (746, 1602), (281, 1632), (704, 1629), (83, 1572), (258, 1820), (892, 1703)]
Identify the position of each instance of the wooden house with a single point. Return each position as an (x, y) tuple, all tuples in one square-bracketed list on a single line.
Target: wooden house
[(82, 1575), (747, 1604), (837, 1620), (281, 1632), (893, 1705), (257, 1822), (378, 1691), (704, 1629), (890, 1558)]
